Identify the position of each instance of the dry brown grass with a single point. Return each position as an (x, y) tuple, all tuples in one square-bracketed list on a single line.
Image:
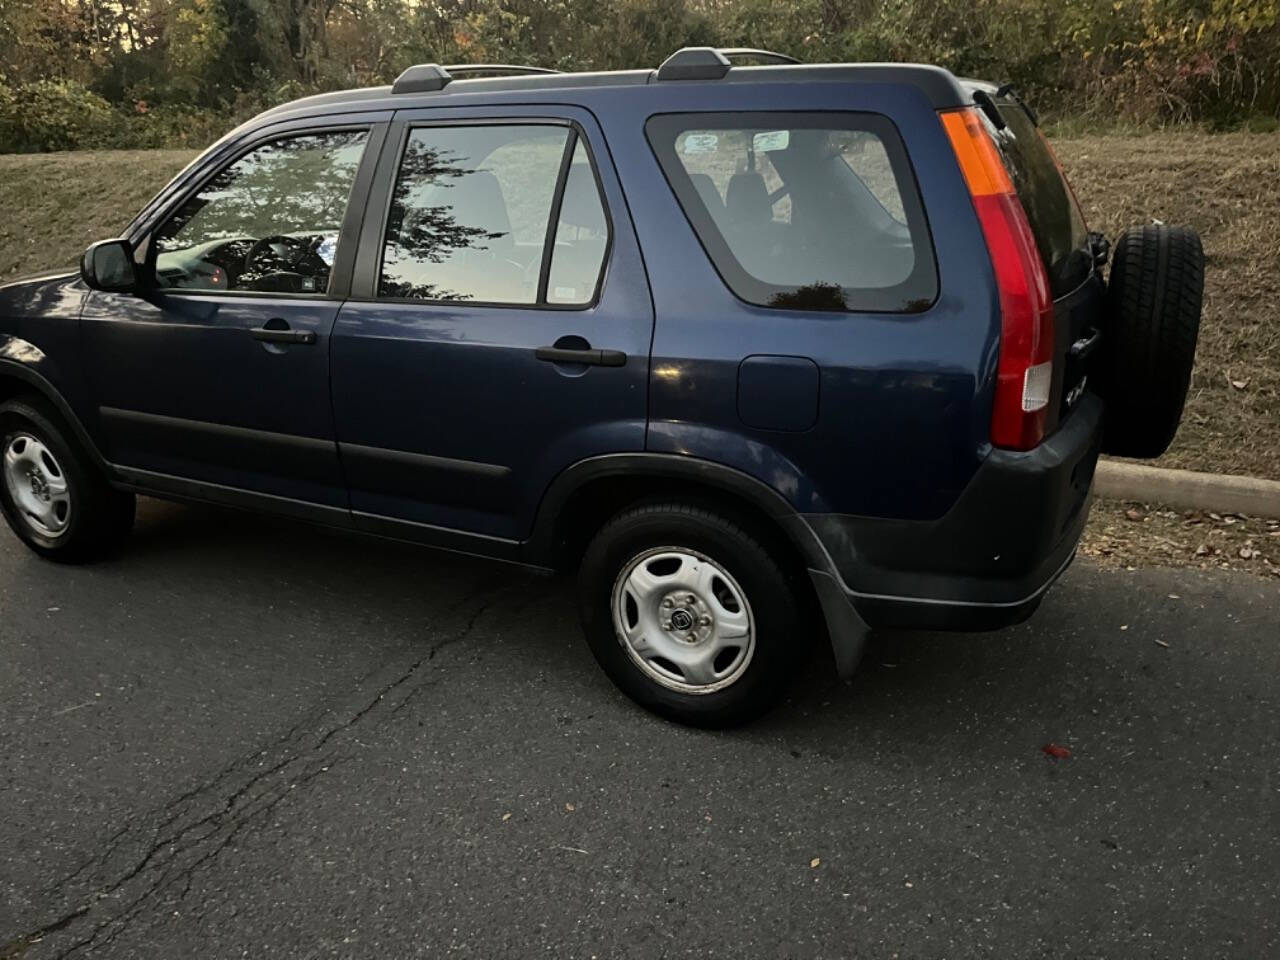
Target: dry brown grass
[(1227, 187)]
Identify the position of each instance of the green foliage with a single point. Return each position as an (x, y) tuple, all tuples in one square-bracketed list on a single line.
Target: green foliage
[(176, 71), (54, 115)]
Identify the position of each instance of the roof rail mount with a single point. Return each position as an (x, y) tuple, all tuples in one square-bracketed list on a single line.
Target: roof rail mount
[(422, 78), (708, 63)]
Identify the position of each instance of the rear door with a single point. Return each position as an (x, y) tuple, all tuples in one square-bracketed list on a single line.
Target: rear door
[(499, 324)]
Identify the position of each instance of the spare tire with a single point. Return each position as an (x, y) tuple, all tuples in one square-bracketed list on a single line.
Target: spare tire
[(1154, 296)]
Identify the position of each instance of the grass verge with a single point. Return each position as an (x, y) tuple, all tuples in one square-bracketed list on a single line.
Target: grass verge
[(1225, 187)]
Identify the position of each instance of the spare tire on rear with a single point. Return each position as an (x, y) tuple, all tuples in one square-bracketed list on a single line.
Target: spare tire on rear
[(1154, 296)]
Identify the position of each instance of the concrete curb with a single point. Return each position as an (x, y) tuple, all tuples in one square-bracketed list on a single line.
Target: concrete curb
[(1188, 489)]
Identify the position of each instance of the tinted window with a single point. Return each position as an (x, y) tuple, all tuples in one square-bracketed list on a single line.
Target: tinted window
[(470, 212), (582, 236), (268, 222), (803, 211), (1052, 212)]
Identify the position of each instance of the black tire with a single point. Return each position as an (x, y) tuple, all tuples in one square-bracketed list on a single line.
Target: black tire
[(771, 599), (99, 517), (1154, 298)]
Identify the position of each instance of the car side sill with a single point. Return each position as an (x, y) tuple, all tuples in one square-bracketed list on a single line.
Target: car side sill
[(168, 487), (203, 491)]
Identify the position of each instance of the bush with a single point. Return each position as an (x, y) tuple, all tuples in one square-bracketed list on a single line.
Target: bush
[(211, 63), (55, 115)]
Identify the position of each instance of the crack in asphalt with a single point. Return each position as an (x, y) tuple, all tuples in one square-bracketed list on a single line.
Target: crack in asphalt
[(188, 832)]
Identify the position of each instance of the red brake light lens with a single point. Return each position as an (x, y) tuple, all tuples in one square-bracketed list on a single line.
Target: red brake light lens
[(1025, 370)]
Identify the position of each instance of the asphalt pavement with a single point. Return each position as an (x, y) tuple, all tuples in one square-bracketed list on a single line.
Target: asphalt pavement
[(252, 738)]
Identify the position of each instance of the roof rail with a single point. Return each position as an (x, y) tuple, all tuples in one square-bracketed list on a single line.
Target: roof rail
[(750, 53), (493, 69), (708, 63), (430, 77)]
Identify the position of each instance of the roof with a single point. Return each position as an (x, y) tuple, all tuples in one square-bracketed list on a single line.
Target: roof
[(431, 84)]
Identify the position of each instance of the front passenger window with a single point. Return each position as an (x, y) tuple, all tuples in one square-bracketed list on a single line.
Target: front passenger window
[(268, 222)]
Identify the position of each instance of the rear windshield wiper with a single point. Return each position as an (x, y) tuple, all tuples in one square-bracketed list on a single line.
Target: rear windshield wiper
[(988, 106), (1007, 90)]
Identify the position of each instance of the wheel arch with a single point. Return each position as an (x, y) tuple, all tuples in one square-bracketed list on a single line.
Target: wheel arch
[(586, 494), (18, 379)]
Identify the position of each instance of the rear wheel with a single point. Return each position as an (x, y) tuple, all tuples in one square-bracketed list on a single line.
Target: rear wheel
[(688, 614), (51, 493), (1154, 298)]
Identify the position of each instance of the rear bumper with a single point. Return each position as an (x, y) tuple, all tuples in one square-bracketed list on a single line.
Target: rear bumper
[(986, 563)]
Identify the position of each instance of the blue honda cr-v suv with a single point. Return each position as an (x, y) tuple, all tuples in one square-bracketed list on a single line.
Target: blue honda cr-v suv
[(758, 350)]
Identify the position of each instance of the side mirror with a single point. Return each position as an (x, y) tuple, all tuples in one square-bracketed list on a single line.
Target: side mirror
[(108, 265)]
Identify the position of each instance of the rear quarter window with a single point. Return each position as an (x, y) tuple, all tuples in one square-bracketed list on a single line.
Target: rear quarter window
[(809, 211)]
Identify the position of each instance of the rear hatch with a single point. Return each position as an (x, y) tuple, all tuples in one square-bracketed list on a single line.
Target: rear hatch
[(1064, 243)]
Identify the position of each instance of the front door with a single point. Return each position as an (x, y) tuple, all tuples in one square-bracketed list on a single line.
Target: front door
[(218, 372), (499, 324)]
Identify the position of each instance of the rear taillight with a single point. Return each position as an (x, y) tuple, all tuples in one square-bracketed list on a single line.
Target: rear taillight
[(1026, 309)]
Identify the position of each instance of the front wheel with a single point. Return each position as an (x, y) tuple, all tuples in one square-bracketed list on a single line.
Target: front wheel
[(51, 493), (688, 614)]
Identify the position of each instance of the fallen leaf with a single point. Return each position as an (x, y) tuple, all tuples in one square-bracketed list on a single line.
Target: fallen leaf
[(1202, 550), (506, 817), (1056, 751), (1239, 384), (1124, 626), (569, 807), (814, 862), (1247, 553), (1134, 514), (1174, 596), (1161, 642)]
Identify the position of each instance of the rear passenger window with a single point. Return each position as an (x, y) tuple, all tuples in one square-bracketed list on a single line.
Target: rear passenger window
[(811, 211), (582, 235), (472, 217)]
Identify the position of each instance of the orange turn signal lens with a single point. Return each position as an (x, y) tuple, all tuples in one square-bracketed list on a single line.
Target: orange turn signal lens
[(980, 162)]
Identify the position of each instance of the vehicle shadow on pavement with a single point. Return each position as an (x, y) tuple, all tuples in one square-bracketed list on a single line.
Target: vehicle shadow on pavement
[(915, 691)]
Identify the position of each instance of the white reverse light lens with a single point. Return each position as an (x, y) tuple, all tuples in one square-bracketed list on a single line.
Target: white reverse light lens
[(1035, 387)]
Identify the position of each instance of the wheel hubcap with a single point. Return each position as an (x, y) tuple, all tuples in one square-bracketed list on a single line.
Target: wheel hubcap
[(36, 485), (683, 620)]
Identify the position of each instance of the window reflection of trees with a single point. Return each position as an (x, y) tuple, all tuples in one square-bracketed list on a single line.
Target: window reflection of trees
[(418, 232), (299, 185)]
